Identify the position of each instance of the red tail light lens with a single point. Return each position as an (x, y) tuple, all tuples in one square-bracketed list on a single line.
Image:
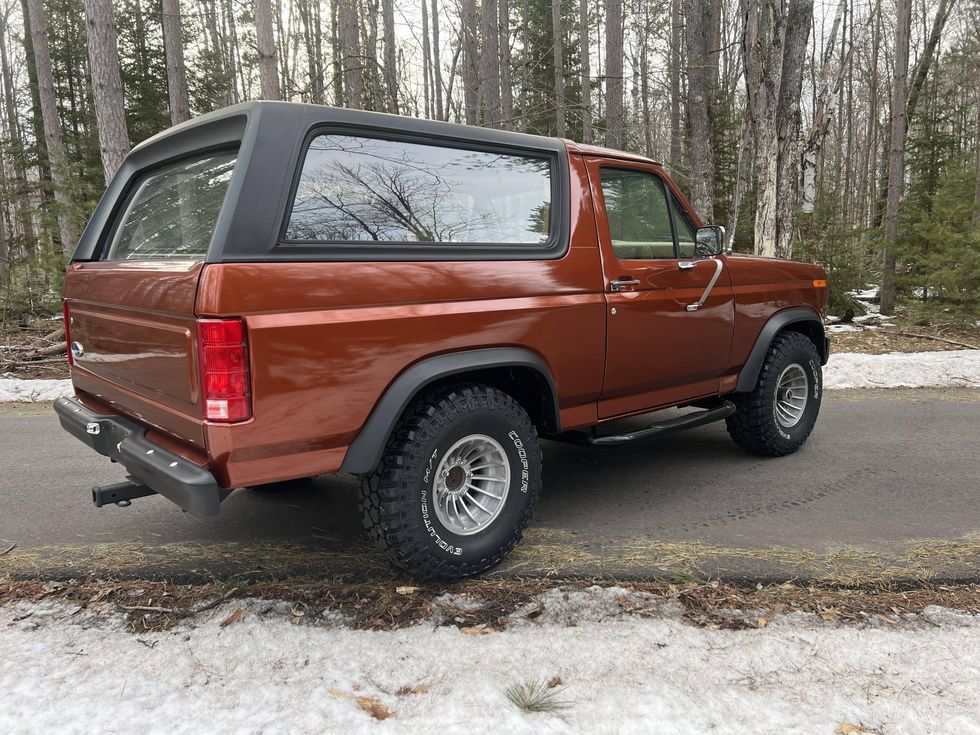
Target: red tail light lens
[(71, 360), (223, 356)]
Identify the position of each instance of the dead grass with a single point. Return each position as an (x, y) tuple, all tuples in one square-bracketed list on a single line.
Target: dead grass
[(154, 606)]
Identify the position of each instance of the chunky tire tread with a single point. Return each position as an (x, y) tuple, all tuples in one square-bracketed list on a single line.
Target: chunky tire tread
[(390, 494), (753, 426)]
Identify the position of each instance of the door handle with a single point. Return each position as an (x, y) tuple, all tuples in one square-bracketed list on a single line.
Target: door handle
[(688, 264), (618, 284)]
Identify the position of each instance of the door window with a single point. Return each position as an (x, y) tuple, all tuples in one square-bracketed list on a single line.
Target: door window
[(685, 231), (638, 215)]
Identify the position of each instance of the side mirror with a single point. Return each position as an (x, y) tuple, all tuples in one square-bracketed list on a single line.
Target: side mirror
[(709, 241)]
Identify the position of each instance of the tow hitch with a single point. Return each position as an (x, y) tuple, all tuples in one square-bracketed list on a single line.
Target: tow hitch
[(120, 493)]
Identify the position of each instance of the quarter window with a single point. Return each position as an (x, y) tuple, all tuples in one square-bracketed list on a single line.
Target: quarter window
[(356, 189), (638, 215)]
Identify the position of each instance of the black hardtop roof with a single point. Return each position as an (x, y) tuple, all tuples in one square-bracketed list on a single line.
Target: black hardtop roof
[(308, 116)]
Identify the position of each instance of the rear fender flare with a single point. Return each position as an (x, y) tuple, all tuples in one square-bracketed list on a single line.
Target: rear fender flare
[(364, 453), (749, 374)]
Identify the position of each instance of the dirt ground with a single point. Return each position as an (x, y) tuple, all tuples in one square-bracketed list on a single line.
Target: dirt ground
[(150, 605)]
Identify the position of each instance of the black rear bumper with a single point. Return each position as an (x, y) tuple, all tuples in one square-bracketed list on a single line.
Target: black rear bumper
[(191, 487)]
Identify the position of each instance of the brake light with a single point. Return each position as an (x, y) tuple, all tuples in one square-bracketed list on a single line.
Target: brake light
[(71, 359), (223, 357)]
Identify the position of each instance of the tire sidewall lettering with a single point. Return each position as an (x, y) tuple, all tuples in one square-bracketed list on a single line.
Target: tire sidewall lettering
[(428, 491)]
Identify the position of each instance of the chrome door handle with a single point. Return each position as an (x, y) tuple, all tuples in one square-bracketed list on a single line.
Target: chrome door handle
[(687, 265), (616, 285)]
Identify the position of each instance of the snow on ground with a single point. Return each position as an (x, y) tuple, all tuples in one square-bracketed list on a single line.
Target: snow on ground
[(903, 369), (19, 390), (845, 370), (69, 671)]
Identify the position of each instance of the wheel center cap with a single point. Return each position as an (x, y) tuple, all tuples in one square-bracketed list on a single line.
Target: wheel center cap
[(455, 478)]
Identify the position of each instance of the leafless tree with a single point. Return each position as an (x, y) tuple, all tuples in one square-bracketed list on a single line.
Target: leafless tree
[(266, 46), (173, 46), (896, 153), (614, 73)]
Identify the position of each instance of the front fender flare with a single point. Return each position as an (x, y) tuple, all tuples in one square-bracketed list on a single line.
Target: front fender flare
[(749, 374), (364, 453)]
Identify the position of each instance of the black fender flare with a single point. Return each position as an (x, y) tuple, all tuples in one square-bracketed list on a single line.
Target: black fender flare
[(364, 453), (749, 374)]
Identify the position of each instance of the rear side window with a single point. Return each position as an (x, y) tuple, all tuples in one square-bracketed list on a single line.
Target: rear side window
[(173, 210), (368, 190)]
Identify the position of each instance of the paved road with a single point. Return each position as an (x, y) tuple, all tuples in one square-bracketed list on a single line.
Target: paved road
[(885, 475)]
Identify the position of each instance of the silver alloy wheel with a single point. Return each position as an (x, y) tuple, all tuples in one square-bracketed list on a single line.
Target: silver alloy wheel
[(471, 484), (792, 390)]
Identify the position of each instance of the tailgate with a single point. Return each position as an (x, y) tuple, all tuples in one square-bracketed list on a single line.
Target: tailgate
[(132, 329), (130, 304)]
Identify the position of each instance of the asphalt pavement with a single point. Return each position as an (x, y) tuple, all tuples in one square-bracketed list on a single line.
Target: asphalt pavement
[(887, 487)]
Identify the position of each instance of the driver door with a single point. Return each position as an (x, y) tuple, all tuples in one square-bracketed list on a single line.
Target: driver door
[(669, 313)]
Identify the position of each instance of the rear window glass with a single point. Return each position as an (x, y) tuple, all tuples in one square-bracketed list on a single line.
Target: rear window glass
[(173, 210), (356, 189)]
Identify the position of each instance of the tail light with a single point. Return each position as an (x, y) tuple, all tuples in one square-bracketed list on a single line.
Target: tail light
[(223, 357), (71, 359)]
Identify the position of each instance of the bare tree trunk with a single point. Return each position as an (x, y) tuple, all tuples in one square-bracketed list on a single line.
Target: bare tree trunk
[(173, 49), (614, 73), (266, 45), (774, 50), (896, 153), (921, 69), (24, 211), (558, 54), (428, 91), (675, 85), (390, 66), (490, 52), (799, 19), (52, 124), (337, 54), (350, 49), (471, 62), (976, 165), (437, 91), (584, 51), (107, 92), (702, 79), (506, 88), (645, 88)]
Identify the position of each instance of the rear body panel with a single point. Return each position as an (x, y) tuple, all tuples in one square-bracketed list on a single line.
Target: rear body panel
[(135, 323)]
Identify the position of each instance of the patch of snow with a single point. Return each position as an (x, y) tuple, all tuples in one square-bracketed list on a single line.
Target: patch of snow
[(869, 292), (623, 674), (831, 319), (871, 315), (842, 328), (20, 390), (903, 370)]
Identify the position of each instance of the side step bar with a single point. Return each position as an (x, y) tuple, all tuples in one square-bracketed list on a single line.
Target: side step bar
[(687, 421)]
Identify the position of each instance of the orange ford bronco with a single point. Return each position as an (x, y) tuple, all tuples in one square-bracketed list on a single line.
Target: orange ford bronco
[(276, 291)]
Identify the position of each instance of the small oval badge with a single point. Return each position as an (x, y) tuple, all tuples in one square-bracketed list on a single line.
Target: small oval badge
[(77, 350)]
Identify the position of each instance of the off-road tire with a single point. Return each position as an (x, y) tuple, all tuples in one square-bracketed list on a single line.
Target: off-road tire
[(397, 500), (754, 426)]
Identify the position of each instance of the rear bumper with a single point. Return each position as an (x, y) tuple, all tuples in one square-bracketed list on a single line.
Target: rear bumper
[(121, 439)]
